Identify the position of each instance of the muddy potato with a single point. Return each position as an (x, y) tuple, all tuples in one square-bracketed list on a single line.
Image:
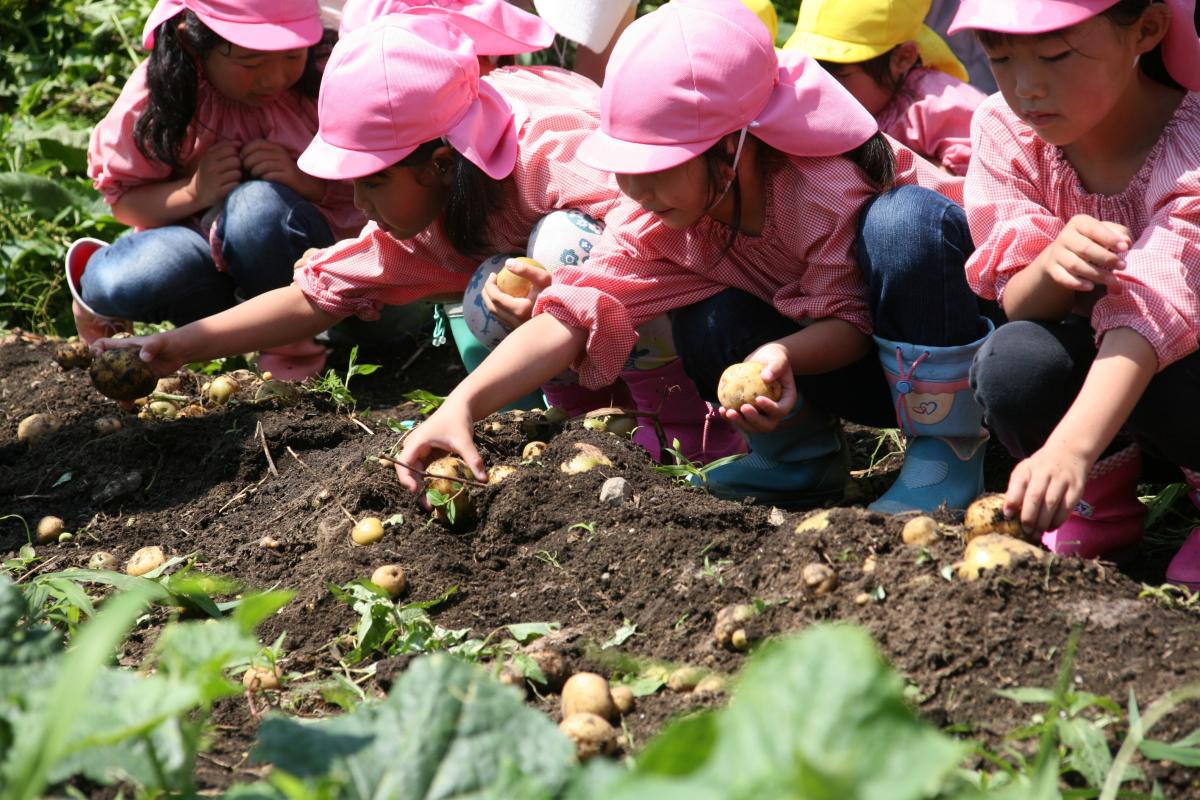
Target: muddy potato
[(445, 476), (221, 389), (36, 427), (685, 679), (986, 515), (555, 415), (172, 384), (121, 374), (145, 560), (587, 457), (261, 679), (610, 420), (623, 699), (499, 473), (368, 530), (713, 683), (73, 355), (591, 734), (992, 551), (587, 692), (512, 284), (102, 559), (106, 425), (920, 531), (533, 451), (819, 578), (390, 578), (552, 664), (48, 529), (163, 409), (731, 620), (741, 383)]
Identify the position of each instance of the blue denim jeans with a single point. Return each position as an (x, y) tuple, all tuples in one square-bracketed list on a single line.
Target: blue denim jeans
[(913, 244), (169, 274)]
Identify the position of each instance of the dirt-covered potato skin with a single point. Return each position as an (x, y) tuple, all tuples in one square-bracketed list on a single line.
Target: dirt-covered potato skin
[(73, 355), (742, 383), (122, 375)]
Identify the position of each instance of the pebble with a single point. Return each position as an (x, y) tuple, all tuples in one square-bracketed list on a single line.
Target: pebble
[(615, 491)]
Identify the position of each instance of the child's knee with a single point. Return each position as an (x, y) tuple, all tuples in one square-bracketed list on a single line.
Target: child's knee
[(1015, 368)]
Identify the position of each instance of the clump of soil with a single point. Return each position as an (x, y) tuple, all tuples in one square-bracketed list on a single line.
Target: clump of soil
[(545, 548)]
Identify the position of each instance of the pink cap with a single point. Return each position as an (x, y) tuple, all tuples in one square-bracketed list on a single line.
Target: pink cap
[(1181, 46), (499, 28), (692, 71), (399, 82), (253, 24)]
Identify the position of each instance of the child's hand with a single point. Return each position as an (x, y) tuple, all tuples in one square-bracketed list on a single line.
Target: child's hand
[(1087, 253), (271, 162), (1044, 488), (219, 171), (514, 311), (158, 351), (304, 258), (766, 414), (448, 430)]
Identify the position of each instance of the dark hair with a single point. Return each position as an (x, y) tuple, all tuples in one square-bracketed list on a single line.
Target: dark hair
[(472, 196), (173, 77), (878, 69), (874, 157), (1123, 14)]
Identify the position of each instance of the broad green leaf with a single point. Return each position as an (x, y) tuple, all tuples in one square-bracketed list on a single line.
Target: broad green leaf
[(1088, 749), (1181, 754), (257, 607), (447, 730), (526, 632)]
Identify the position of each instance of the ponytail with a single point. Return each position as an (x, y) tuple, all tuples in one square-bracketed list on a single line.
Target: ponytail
[(877, 160)]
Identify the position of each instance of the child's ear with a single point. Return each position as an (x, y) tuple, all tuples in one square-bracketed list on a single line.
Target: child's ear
[(442, 162), (904, 57), (1152, 27)]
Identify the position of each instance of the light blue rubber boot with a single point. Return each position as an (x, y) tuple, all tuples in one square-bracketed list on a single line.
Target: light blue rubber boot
[(802, 464), (936, 408), (472, 353)]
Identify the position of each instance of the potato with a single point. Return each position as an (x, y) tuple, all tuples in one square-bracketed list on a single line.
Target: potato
[(36, 427), (685, 679), (623, 699), (817, 521), (106, 425), (48, 529), (587, 693), (73, 355), (261, 679), (500, 472), (587, 457), (920, 531), (512, 284), (288, 394), (552, 664), (221, 389), (731, 619), (121, 374), (533, 451), (994, 550), (713, 683), (741, 383), (172, 384), (445, 476), (102, 559), (369, 530), (986, 515), (390, 578), (610, 420), (163, 409), (591, 734), (145, 560), (819, 578), (555, 415)]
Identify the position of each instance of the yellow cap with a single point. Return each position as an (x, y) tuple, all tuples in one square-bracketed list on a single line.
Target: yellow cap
[(765, 10), (853, 31)]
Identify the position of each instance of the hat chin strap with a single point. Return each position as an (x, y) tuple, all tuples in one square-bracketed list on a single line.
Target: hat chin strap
[(737, 155)]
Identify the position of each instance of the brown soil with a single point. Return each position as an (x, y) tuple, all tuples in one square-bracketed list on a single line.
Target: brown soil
[(667, 560)]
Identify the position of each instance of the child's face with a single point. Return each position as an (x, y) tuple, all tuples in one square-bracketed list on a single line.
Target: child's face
[(253, 77), (678, 196), (402, 200), (1066, 85), (866, 91)]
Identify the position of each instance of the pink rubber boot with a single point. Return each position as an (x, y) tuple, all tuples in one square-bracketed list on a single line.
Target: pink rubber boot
[(1109, 520), (294, 361), (576, 399), (667, 390), (90, 325), (1184, 568)]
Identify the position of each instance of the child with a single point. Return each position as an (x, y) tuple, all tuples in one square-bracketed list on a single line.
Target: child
[(448, 167), (214, 119), (1084, 195), (745, 178), (898, 68)]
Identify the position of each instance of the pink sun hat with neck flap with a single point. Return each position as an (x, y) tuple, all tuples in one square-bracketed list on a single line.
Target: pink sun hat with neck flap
[(399, 82), (1180, 47), (693, 71), (508, 29), (269, 25)]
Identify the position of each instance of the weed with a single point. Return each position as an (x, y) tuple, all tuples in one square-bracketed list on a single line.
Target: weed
[(685, 470), (590, 527), (427, 402), (713, 569), (337, 388), (550, 558)]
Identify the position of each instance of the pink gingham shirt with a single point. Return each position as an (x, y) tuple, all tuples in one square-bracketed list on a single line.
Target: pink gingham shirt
[(1021, 192), (116, 165), (803, 264), (362, 275), (932, 114)]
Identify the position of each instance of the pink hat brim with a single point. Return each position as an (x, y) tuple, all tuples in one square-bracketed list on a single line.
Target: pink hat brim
[(496, 29), (330, 162), (604, 152), (486, 134), (268, 36)]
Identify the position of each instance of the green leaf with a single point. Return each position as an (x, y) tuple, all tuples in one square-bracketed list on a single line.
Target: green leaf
[(447, 730), (257, 607), (1028, 695), (1088, 752), (526, 632), (622, 635), (1180, 753)]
